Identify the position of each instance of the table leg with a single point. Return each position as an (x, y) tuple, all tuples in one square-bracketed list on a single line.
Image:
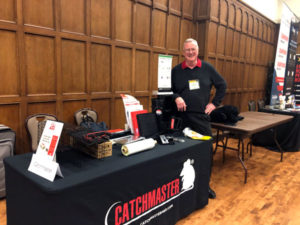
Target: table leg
[(277, 144), (242, 159)]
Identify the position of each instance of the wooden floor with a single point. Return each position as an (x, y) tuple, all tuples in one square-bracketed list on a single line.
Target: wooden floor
[(271, 196)]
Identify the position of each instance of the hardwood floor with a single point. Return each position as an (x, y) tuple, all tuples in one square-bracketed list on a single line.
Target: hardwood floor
[(270, 197)]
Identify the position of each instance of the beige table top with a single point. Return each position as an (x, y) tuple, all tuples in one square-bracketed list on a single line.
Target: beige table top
[(254, 122)]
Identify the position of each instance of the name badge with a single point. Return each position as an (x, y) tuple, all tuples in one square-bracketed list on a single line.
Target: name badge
[(194, 84)]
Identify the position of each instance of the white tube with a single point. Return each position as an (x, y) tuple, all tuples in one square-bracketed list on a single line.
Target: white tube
[(138, 146)]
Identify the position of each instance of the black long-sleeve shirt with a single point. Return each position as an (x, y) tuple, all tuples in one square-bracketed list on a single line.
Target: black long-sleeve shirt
[(194, 85)]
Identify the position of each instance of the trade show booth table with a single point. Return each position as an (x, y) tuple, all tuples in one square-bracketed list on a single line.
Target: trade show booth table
[(158, 186), (288, 134)]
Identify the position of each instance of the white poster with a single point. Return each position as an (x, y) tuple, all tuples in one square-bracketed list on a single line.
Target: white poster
[(164, 72), (281, 54)]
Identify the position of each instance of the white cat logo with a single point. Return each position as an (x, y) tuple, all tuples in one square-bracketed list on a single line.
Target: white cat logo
[(188, 175)]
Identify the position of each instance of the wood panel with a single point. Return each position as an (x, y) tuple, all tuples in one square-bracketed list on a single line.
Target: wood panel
[(101, 18), (143, 22), (73, 67), (101, 76), (73, 16), (39, 13), (9, 68), (124, 18), (173, 33), (8, 10), (39, 51), (103, 108), (142, 71), (159, 29), (123, 78)]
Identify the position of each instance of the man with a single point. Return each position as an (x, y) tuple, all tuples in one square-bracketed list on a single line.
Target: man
[(191, 84)]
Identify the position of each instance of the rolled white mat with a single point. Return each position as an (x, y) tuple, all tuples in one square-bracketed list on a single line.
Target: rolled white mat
[(138, 146)]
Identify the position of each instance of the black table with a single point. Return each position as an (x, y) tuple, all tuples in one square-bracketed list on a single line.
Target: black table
[(159, 186), (288, 135)]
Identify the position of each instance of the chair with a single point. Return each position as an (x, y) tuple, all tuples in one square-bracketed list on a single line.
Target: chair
[(251, 105), (260, 104), (35, 125), (91, 113)]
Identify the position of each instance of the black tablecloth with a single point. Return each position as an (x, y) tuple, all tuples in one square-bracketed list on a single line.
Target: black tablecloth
[(152, 187), (288, 134)]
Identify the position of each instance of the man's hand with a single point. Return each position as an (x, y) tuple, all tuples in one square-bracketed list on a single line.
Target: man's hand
[(181, 106), (209, 108)]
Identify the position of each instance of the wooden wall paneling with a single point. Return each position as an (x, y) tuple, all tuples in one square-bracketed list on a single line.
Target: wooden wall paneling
[(186, 31), (255, 27), (73, 66), (159, 29), (258, 52), (236, 43), (73, 16), (101, 77), (101, 18), (40, 65), (203, 9), (221, 40), (231, 16), (123, 69), (187, 8), (70, 107), (154, 71), (229, 42), (145, 102), (142, 72), (248, 49), (223, 12), (242, 47), (173, 32), (228, 74), (175, 6), (245, 22), (212, 37), (10, 117), (238, 19), (253, 50), (143, 24), (260, 30), (103, 108), (9, 68), (123, 20), (118, 119), (202, 36), (39, 13), (163, 4), (214, 10), (250, 25), (8, 11), (235, 76)]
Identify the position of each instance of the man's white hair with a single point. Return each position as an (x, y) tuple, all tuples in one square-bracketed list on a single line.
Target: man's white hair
[(192, 41)]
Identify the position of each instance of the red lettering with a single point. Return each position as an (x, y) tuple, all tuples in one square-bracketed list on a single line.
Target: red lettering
[(282, 51), (284, 37), (163, 193), (157, 196), (175, 187), (151, 199), (132, 207), (138, 209), (125, 213), (118, 210), (168, 193), (144, 203)]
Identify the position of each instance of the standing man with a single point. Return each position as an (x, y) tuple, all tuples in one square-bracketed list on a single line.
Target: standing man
[(191, 84)]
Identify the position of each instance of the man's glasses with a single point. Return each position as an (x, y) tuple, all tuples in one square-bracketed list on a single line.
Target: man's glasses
[(190, 50)]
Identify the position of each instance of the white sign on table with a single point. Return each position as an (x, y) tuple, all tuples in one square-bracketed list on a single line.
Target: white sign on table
[(43, 162)]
